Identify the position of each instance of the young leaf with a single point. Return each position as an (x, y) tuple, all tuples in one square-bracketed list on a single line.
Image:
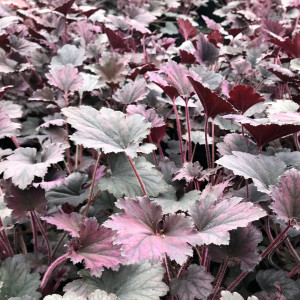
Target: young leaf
[(17, 281), (23, 201), (214, 219), (264, 170), (189, 172), (139, 281), (146, 237), (194, 283), (285, 196), (29, 164), (212, 103), (131, 92), (68, 55), (123, 181), (66, 79), (242, 246), (186, 29), (110, 130), (243, 97)]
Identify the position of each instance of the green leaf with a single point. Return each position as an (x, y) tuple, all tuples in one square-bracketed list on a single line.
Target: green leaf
[(134, 282), (110, 130), (17, 280), (123, 180)]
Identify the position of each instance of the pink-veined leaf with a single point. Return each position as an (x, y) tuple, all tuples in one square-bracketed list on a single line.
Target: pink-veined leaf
[(186, 28), (211, 24), (145, 235), (68, 222), (112, 131), (90, 243), (241, 248), (66, 79), (30, 163), (206, 53), (286, 197), (52, 179), (175, 75), (131, 92), (193, 283), (95, 247), (150, 115), (23, 201), (243, 97), (264, 170), (215, 219), (212, 103)]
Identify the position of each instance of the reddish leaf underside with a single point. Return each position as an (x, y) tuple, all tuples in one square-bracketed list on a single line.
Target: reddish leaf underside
[(212, 103), (243, 97)]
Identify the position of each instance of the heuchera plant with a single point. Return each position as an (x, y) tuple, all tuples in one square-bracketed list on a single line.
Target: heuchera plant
[(149, 149)]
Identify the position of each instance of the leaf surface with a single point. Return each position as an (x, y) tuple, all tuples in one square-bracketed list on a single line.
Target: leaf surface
[(264, 170), (123, 181), (144, 283), (110, 130), (145, 237), (194, 283)]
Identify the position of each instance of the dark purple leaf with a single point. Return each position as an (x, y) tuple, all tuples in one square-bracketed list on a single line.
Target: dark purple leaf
[(241, 248), (115, 40), (186, 57), (64, 6), (23, 201), (194, 283)]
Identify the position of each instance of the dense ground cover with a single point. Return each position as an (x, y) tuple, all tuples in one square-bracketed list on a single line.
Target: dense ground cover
[(149, 149)]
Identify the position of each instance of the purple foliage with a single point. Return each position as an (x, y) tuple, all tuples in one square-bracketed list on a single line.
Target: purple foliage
[(102, 102)]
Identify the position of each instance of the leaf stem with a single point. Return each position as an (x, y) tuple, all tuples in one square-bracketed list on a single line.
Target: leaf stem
[(204, 256), (15, 142), (206, 142), (137, 175), (92, 186), (178, 131), (43, 232), (213, 143), (34, 232), (165, 260), (48, 274), (293, 271), (58, 244), (220, 277), (187, 116)]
